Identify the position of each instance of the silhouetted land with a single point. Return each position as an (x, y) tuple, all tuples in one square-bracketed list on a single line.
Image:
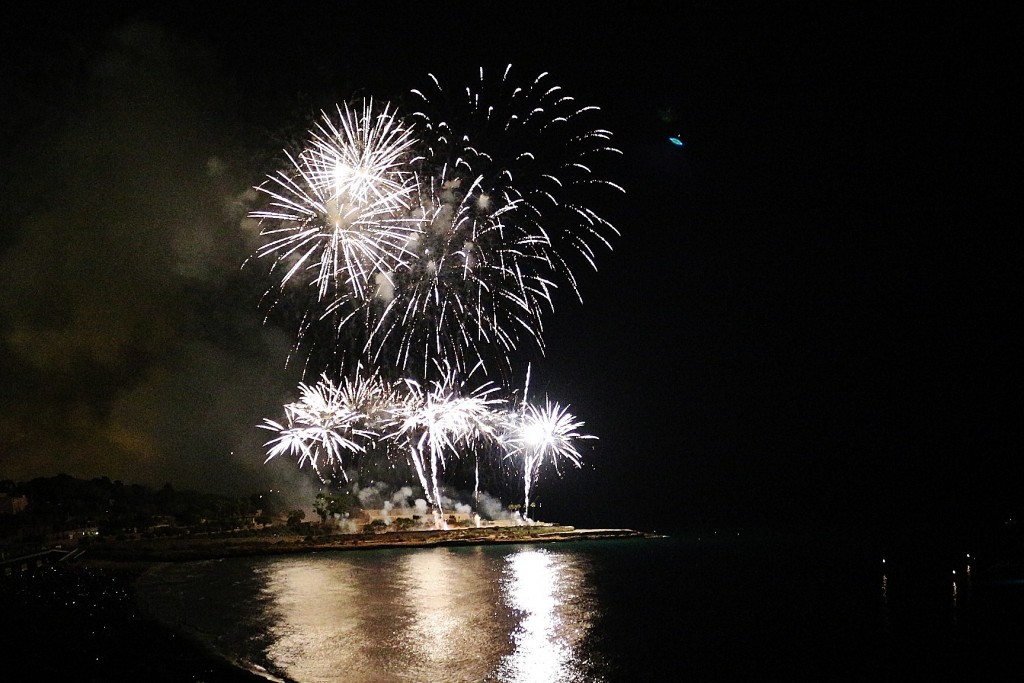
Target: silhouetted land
[(183, 549)]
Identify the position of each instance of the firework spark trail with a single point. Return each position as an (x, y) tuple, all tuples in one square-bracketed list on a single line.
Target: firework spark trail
[(532, 145), (468, 294), (499, 164), (331, 420), (443, 418), (444, 238), (539, 434)]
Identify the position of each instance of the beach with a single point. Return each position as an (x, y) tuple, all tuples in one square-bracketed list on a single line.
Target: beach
[(82, 620)]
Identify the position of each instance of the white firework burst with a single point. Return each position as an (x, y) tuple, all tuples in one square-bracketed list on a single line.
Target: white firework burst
[(504, 173), (539, 434), (443, 418), (338, 214), (321, 428)]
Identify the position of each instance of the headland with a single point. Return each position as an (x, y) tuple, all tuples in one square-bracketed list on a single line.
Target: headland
[(187, 548)]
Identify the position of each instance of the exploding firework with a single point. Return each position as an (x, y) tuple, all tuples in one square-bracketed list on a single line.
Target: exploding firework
[(533, 150), (319, 429), (505, 173), (469, 295), (332, 423), (442, 239), (435, 242), (337, 216), (535, 435), (444, 419)]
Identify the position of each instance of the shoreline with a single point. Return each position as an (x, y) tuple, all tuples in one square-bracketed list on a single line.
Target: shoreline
[(105, 634), (188, 549)]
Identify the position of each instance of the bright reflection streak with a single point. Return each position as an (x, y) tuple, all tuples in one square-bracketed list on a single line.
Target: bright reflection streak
[(435, 614), (547, 591), (319, 625), (450, 596)]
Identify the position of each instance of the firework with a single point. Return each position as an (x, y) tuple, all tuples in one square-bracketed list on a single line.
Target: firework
[(536, 435), (443, 418), (444, 238), (429, 424), (324, 426), (333, 422), (338, 214), (532, 149), (435, 242), (504, 175)]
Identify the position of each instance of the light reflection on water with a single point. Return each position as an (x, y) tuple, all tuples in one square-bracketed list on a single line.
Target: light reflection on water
[(544, 590), (454, 622), (607, 611), (439, 614)]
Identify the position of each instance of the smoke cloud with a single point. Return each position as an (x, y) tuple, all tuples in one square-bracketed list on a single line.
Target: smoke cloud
[(132, 340)]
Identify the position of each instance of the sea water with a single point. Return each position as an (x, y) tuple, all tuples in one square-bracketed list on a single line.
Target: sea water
[(720, 607)]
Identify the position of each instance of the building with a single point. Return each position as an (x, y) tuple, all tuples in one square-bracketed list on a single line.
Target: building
[(12, 505)]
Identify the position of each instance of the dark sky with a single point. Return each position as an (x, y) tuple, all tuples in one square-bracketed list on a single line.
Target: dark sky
[(810, 312)]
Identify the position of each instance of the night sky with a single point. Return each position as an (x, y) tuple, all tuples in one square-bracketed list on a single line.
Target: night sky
[(809, 317)]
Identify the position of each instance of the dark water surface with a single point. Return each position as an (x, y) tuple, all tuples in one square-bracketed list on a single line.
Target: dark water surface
[(721, 608)]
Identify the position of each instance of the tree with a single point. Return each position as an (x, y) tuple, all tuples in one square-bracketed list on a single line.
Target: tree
[(321, 505), (295, 518)]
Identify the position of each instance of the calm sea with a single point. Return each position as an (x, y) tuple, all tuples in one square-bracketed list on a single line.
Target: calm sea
[(719, 608)]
